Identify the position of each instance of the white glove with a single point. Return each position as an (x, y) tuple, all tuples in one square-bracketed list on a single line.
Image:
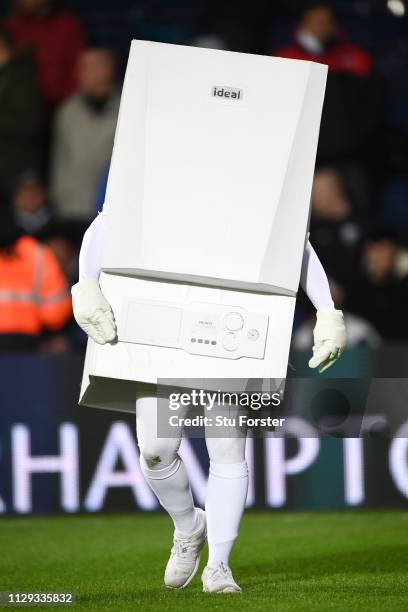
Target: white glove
[(329, 338), (92, 312)]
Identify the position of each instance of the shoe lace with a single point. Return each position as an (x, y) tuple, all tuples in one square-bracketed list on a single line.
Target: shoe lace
[(222, 569), (180, 548)]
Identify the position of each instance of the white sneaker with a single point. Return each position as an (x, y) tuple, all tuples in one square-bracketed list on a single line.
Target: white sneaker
[(185, 555), (218, 579)]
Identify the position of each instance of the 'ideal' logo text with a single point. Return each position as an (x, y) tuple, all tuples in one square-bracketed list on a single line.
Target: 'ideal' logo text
[(227, 92)]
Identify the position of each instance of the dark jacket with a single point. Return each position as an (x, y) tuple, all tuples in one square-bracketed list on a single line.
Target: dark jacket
[(20, 121)]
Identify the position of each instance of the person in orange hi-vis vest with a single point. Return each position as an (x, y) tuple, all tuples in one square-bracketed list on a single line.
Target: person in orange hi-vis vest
[(34, 294)]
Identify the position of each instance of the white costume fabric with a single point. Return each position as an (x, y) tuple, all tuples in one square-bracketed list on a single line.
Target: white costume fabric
[(329, 339), (160, 462), (90, 256), (92, 311)]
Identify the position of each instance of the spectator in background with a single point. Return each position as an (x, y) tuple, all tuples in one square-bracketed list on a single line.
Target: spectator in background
[(83, 138), (380, 291), (65, 251), (34, 294), (353, 108), (318, 38), (20, 115), (393, 209), (33, 215), (335, 228), (31, 209), (56, 38)]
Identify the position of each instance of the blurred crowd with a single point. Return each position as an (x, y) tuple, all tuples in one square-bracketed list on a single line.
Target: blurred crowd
[(60, 76)]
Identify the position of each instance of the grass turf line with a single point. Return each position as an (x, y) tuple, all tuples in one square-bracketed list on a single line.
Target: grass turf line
[(286, 562)]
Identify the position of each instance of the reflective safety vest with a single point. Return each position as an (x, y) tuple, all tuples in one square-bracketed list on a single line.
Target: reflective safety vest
[(33, 290)]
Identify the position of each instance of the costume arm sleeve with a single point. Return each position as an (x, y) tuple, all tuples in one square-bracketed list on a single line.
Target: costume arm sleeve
[(313, 280), (90, 256)]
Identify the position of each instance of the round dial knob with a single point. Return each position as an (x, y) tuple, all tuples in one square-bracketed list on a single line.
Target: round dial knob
[(253, 334), (230, 342), (234, 321)]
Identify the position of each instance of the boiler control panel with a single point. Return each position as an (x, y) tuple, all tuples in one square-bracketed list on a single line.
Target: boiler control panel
[(200, 328), (223, 331)]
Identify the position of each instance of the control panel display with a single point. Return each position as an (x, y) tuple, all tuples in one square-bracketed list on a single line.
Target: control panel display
[(200, 328)]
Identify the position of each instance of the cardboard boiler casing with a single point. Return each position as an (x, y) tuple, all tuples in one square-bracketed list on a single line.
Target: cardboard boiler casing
[(207, 210)]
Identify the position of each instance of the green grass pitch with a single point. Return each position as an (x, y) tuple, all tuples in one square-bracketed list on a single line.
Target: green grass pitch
[(293, 562)]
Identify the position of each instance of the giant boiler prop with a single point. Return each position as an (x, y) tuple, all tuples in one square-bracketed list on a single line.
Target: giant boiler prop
[(207, 208)]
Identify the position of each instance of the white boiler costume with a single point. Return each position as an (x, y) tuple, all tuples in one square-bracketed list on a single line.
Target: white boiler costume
[(192, 269)]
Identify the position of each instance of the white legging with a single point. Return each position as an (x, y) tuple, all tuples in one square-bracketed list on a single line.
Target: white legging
[(160, 452), (167, 476)]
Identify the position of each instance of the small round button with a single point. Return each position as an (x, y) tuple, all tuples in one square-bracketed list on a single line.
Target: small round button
[(234, 321), (253, 334), (230, 342)]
